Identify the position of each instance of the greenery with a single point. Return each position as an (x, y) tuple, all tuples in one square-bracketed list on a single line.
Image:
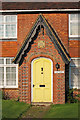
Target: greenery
[(70, 97), (63, 111), (13, 109)]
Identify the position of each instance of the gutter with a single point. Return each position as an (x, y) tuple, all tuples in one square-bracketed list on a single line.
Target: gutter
[(45, 10)]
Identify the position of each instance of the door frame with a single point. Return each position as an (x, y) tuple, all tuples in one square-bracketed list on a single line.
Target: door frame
[(32, 77)]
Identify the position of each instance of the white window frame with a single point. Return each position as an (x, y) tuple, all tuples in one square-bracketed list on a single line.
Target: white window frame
[(70, 74), (69, 26), (4, 24), (9, 65)]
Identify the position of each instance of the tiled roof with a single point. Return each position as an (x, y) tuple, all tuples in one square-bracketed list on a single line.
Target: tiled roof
[(38, 5)]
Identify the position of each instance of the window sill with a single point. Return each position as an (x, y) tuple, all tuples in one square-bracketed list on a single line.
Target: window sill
[(8, 39), (9, 87), (74, 38)]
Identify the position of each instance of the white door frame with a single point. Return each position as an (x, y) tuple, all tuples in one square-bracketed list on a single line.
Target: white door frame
[(32, 77)]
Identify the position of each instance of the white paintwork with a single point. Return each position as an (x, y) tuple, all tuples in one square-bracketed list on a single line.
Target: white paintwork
[(46, 10), (70, 73), (69, 28), (58, 71), (4, 24), (9, 65)]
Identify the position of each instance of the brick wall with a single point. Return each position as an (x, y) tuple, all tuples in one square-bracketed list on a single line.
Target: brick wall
[(74, 48), (11, 93), (48, 51), (25, 23)]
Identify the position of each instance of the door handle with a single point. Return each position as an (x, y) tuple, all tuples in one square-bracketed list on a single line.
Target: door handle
[(33, 85)]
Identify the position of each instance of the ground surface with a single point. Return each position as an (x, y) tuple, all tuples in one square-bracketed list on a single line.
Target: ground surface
[(36, 112), (13, 109)]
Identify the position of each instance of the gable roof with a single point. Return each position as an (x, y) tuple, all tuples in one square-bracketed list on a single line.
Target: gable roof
[(52, 35), (38, 5)]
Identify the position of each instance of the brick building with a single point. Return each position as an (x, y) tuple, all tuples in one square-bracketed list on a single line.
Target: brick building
[(39, 44)]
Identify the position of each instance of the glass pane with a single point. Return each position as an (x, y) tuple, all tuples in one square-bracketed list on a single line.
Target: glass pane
[(8, 27), (13, 27), (7, 69), (75, 76), (8, 82), (13, 18), (13, 30), (14, 82), (1, 30), (8, 18), (1, 76), (1, 34), (1, 69), (75, 62), (1, 61), (7, 30), (13, 76), (1, 27), (1, 18), (12, 60), (13, 69), (1, 82), (7, 61), (75, 17), (75, 28), (8, 76)]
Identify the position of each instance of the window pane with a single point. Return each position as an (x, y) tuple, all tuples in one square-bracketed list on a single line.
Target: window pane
[(1, 69), (13, 69), (1, 76), (8, 18), (1, 30), (10, 30), (13, 18), (75, 17), (8, 76), (10, 83), (75, 28), (8, 69), (11, 76), (75, 73), (1, 18), (1, 61), (1, 27), (11, 61), (1, 83), (13, 30), (10, 26), (75, 62), (7, 61), (7, 30)]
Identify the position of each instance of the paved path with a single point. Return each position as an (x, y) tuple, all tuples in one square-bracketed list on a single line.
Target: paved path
[(36, 112)]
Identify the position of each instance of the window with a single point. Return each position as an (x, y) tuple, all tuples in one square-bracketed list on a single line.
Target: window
[(74, 25), (8, 73), (74, 73), (8, 26)]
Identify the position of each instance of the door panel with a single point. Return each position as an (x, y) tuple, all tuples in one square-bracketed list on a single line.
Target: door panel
[(41, 80)]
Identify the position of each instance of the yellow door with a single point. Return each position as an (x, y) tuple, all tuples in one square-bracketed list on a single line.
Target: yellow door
[(41, 80)]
